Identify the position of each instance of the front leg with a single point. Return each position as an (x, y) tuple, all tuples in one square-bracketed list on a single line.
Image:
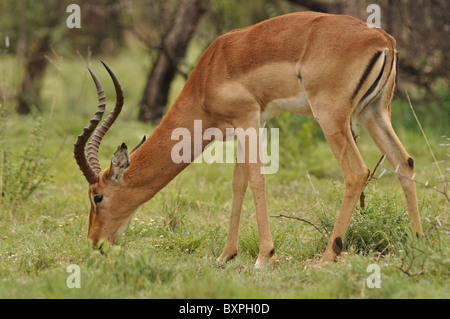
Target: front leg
[(257, 185), (240, 184)]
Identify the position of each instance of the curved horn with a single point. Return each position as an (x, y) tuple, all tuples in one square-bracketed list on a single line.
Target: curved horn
[(78, 149), (94, 143), (90, 166)]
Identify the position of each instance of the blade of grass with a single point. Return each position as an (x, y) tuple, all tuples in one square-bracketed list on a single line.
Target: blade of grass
[(2, 135), (424, 135)]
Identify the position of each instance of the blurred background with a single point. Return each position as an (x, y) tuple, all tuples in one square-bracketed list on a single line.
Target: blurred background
[(170, 35), (47, 96)]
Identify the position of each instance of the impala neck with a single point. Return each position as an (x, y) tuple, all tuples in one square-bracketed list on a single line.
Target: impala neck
[(152, 166)]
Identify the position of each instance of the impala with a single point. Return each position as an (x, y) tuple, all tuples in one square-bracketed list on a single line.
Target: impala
[(335, 68)]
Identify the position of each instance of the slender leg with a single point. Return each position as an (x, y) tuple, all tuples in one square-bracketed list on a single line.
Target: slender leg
[(248, 136), (257, 184), (240, 184), (248, 171), (355, 174), (378, 125)]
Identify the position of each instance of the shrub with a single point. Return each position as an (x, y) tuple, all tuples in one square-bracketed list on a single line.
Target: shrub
[(21, 177)]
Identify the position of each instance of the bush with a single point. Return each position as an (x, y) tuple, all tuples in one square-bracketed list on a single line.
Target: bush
[(20, 177), (381, 227)]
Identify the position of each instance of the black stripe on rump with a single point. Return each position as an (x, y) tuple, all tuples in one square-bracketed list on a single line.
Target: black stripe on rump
[(367, 72), (375, 84)]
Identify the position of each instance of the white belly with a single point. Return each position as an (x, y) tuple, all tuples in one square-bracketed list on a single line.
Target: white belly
[(296, 104)]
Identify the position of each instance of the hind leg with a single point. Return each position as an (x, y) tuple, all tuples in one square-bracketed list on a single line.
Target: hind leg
[(355, 174), (335, 124), (376, 121)]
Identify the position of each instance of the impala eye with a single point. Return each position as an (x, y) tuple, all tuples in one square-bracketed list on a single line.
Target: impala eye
[(98, 198)]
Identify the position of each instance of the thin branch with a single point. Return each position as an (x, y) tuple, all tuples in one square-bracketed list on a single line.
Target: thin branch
[(362, 198), (302, 220), (380, 161), (407, 270)]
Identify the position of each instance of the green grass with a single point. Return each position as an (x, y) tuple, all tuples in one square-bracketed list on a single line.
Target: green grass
[(170, 248)]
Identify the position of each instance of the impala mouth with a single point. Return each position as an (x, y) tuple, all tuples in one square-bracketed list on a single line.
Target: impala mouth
[(103, 246)]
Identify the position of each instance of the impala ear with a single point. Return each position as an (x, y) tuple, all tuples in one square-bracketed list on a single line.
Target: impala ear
[(120, 162)]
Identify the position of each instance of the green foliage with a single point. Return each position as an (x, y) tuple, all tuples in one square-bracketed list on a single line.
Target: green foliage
[(171, 246), (22, 176), (125, 268), (380, 227), (249, 241), (172, 210), (433, 109), (25, 22)]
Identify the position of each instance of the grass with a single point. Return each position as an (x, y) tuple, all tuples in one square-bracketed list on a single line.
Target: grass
[(170, 248)]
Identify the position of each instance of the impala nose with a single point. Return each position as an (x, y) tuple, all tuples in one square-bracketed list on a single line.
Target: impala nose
[(94, 242), (101, 245)]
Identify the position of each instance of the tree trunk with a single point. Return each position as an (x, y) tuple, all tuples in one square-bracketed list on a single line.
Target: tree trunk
[(320, 6), (173, 48), (36, 63), (31, 83)]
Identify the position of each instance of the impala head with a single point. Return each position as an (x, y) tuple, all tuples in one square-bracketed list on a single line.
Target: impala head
[(111, 200)]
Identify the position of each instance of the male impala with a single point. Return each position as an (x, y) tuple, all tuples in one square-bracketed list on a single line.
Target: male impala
[(335, 68)]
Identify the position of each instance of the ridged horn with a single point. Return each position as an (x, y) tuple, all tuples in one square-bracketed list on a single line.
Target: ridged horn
[(90, 166)]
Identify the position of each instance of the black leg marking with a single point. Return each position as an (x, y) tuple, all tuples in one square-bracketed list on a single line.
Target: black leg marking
[(272, 252), (337, 246), (411, 162)]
